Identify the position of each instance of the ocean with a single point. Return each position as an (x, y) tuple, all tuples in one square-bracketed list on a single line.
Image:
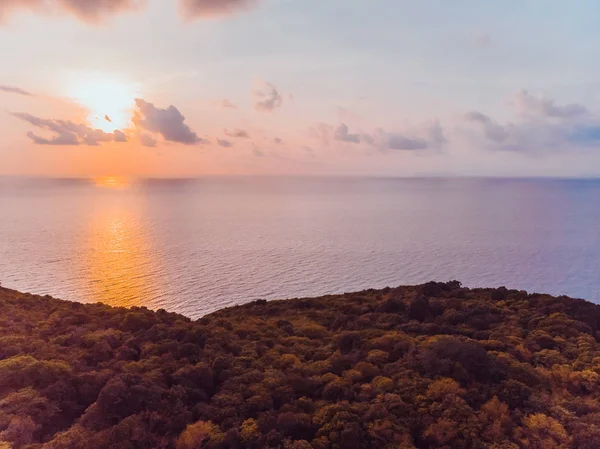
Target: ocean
[(197, 245)]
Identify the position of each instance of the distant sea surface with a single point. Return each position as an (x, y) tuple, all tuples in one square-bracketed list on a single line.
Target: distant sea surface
[(195, 246)]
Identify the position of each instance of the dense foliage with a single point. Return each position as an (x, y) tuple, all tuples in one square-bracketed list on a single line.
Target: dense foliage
[(430, 366)]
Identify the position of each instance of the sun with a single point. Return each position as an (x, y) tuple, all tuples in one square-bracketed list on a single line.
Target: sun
[(109, 101)]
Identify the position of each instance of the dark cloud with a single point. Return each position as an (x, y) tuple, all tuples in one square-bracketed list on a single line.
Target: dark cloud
[(211, 8), (277, 140), (169, 123), (86, 10), (13, 89), (258, 153), (238, 133), (147, 140), (545, 107), (342, 134), (224, 143), (268, 98), (67, 132)]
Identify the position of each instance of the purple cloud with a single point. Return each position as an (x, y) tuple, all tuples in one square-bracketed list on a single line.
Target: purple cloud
[(400, 142), (60, 139), (538, 129), (13, 89), (67, 132), (547, 108), (492, 130), (168, 122), (428, 136)]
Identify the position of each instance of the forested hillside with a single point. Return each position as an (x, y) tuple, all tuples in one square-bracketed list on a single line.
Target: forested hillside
[(430, 366)]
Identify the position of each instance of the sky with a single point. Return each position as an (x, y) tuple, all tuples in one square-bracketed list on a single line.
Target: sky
[(173, 88)]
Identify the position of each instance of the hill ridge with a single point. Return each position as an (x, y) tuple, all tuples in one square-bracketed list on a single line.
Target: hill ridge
[(435, 365)]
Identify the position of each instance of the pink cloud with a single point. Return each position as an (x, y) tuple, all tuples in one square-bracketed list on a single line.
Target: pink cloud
[(86, 10), (94, 11), (211, 8)]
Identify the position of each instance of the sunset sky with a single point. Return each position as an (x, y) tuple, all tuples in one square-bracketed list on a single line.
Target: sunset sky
[(348, 87)]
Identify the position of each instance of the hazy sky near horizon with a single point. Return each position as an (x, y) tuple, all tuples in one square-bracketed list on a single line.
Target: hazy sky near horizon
[(379, 87)]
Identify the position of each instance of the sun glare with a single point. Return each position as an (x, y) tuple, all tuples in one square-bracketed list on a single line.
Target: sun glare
[(111, 182), (109, 101)]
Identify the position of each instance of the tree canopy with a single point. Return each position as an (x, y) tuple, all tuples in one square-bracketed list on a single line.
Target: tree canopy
[(414, 367)]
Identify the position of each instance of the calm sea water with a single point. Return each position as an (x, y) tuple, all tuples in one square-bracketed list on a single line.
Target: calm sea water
[(194, 246)]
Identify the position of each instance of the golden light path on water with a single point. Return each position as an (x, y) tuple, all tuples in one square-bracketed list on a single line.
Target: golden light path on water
[(118, 253), (112, 182)]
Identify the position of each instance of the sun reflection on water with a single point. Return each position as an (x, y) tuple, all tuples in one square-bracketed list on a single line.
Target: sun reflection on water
[(119, 256), (112, 182)]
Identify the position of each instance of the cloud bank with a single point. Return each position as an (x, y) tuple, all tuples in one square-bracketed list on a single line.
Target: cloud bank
[(542, 125), (147, 118), (67, 132)]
